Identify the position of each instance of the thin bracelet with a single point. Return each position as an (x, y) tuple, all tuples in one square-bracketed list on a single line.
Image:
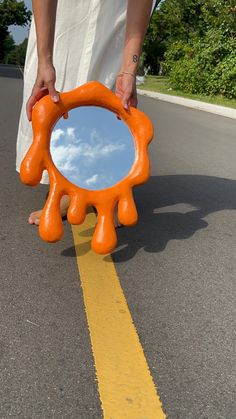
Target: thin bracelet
[(131, 74), (126, 72)]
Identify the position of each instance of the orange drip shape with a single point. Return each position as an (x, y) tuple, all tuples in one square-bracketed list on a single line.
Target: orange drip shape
[(45, 115)]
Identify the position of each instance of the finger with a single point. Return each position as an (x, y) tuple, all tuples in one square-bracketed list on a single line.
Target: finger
[(36, 95), (52, 91), (29, 106), (118, 94), (125, 100)]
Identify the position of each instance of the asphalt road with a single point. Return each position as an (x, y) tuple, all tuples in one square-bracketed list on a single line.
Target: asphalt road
[(176, 267)]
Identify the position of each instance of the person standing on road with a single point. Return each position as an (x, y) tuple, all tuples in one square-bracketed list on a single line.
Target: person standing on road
[(76, 41)]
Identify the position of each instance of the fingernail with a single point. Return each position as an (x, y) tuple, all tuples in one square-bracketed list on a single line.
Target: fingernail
[(55, 98), (126, 106)]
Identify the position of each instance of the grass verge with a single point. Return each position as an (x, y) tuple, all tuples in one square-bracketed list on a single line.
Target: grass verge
[(160, 84)]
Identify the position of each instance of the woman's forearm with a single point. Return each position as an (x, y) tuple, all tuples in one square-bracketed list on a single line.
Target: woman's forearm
[(45, 16), (138, 17)]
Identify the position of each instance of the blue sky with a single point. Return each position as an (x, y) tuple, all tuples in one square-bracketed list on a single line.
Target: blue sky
[(92, 148), (20, 33)]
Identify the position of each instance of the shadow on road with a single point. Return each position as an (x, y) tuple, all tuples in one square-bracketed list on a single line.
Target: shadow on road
[(170, 208)]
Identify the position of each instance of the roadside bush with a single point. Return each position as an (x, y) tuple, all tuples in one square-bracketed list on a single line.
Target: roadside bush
[(223, 79), (204, 66)]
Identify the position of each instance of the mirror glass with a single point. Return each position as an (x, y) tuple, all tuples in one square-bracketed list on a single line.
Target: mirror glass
[(92, 148)]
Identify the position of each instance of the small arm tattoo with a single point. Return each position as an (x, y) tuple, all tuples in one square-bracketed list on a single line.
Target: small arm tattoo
[(135, 58)]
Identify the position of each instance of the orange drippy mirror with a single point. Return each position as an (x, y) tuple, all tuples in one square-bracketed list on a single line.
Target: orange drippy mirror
[(91, 156), (92, 148)]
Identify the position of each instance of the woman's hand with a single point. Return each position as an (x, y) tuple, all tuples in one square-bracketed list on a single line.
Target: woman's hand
[(126, 90), (44, 84)]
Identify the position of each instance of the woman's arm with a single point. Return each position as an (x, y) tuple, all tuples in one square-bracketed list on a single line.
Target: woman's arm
[(44, 16), (138, 17)]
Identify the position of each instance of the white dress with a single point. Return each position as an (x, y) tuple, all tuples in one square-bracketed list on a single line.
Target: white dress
[(88, 45)]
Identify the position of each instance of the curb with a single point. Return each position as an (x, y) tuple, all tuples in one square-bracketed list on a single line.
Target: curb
[(191, 103), (11, 71)]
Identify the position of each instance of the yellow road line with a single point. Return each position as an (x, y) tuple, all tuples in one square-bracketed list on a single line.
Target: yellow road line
[(125, 384)]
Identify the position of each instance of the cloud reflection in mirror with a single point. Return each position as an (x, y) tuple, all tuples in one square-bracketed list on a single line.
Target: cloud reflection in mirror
[(92, 148)]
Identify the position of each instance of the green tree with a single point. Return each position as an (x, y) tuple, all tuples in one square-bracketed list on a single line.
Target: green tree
[(197, 42), (17, 54), (205, 61), (12, 12), (155, 42)]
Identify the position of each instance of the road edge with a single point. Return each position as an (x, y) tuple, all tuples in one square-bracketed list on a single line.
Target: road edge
[(191, 103)]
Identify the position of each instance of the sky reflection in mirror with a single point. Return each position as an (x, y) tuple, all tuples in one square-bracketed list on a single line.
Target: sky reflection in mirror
[(92, 148)]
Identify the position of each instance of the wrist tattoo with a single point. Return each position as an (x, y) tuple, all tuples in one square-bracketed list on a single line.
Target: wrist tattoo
[(135, 58)]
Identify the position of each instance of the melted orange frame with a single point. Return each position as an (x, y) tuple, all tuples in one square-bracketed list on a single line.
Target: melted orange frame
[(45, 115)]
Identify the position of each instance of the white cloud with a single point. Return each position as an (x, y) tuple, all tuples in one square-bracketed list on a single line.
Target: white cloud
[(92, 179), (56, 134), (110, 148), (99, 147), (71, 132)]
